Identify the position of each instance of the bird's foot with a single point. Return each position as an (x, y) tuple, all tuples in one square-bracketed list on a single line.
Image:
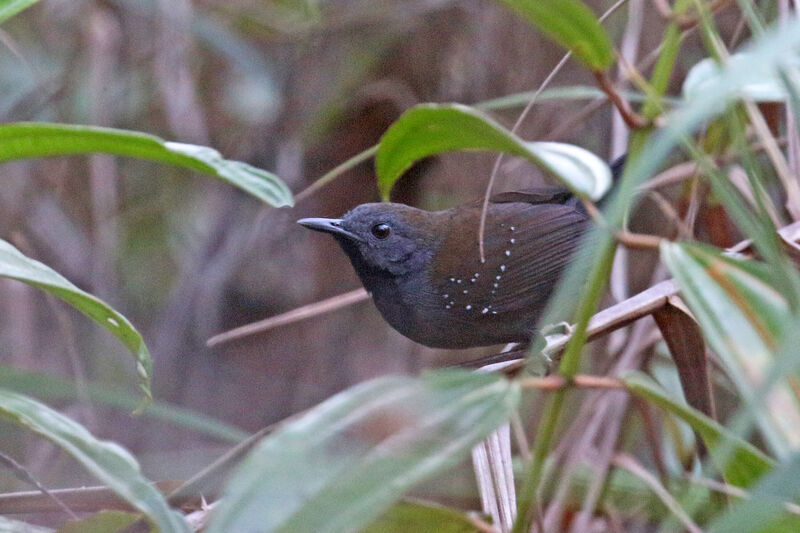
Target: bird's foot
[(559, 328), (547, 343)]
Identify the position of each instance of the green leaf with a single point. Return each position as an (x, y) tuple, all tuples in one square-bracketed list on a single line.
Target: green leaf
[(15, 265), (742, 467), (765, 509), (40, 139), (344, 462), (47, 387), (743, 317), (107, 461), (431, 129), (571, 24), (763, 85), (421, 517), (9, 8)]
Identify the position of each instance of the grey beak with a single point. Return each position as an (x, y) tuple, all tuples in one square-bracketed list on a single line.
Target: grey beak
[(328, 225)]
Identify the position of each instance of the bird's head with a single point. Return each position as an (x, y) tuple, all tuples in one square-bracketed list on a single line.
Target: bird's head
[(383, 238)]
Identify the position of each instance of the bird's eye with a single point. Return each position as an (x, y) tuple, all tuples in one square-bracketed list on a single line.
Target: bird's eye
[(381, 231)]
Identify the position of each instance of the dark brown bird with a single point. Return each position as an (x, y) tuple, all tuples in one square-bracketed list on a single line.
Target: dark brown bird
[(424, 271)]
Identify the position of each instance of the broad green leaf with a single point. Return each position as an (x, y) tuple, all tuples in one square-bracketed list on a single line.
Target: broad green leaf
[(344, 462), (107, 461), (431, 129), (765, 509), (47, 387), (763, 85), (9, 8), (572, 25), (742, 467), (421, 517), (15, 265), (102, 522), (743, 317), (25, 140)]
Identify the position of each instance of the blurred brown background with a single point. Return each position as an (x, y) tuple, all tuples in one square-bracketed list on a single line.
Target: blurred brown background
[(295, 87)]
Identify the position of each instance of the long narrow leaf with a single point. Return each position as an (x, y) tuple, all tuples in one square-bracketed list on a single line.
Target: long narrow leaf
[(15, 265), (24, 140), (107, 461), (344, 462), (766, 508), (743, 317), (9, 8), (431, 129), (744, 466)]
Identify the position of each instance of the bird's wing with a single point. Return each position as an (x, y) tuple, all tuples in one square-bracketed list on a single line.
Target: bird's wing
[(527, 246), (531, 258)]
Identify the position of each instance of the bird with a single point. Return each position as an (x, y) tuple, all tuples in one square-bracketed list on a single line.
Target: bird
[(425, 274)]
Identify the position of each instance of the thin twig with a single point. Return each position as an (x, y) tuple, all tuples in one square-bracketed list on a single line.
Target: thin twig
[(295, 315), (671, 213), (517, 124), (556, 382), (22, 473), (626, 462), (631, 118), (335, 173), (641, 241), (732, 490), (497, 161)]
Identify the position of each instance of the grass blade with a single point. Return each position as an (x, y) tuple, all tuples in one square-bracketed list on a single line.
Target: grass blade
[(15, 265), (107, 461)]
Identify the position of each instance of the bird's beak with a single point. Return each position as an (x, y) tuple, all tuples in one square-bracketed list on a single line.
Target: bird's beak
[(328, 225)]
